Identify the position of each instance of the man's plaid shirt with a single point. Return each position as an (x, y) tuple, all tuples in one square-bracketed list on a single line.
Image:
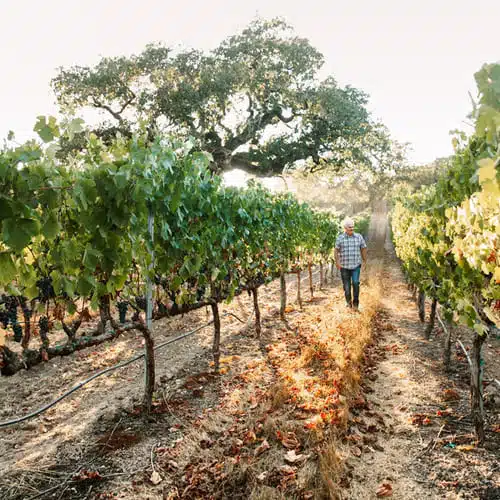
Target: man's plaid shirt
[(350, 250)]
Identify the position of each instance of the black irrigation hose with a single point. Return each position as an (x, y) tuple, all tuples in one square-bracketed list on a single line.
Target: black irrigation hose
[(9, 423)]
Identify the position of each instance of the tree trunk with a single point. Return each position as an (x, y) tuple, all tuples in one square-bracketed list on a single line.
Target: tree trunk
[(414, 292), (255, 293), (283, 295), (149, 368), (320, 275), (447, 349), (311, 288), (216, 344), (421, 306), (476, 387), (299, 298), (332, 271), (432, 319)]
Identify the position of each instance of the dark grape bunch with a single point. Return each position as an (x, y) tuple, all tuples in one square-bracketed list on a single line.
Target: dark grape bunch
[(162, 308), (46, 289), (122, 310), (43, 324), (18, 332), (141, 302), (9, 316)]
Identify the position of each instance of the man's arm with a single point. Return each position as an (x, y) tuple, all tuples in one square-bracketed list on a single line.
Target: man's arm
[(337, 258), (364, 254)]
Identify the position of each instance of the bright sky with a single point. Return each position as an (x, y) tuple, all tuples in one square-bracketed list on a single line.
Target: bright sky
[(416, 58)]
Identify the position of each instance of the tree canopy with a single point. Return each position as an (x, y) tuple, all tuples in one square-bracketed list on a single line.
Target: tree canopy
[(255, 98)]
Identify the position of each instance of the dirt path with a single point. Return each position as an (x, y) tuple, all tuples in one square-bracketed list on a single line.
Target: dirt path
[(420, 404)]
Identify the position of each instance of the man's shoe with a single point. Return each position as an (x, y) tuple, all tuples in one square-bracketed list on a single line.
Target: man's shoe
[(356, 308), (349, 306)]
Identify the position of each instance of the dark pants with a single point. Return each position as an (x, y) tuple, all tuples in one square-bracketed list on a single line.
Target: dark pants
[(348, 276)]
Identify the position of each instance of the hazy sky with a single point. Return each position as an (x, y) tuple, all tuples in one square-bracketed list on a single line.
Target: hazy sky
[(416, 58)]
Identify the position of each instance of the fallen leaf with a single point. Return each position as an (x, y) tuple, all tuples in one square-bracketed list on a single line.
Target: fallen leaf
[(384, 490), (249, 437), (292, 457), (356, 451), (262, 448), (287, 469), (465, 447), (290, 441), (262, 476), (450, 395), (156, 478)]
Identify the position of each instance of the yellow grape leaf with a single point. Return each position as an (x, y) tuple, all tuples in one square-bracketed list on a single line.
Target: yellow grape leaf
[(490, 313), (492, 188), (496, 275), (487, 170)]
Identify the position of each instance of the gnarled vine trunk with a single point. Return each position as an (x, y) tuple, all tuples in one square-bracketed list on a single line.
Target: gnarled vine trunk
[(255, 294), (476, 387), (421, 306), (216, 343), (432, 319), (282, 295)]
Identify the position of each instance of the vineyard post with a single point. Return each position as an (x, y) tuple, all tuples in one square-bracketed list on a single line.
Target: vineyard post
[(283, 294), (321, 275)]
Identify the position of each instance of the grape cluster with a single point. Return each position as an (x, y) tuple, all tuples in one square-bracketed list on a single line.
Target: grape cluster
[(43, 325), (200, 293), (46, 289), (122, 310), (141, 302), (9, 316), (18, 332), (162, 308)]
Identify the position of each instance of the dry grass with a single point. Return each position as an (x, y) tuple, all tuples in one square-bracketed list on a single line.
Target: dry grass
[(297, 400)]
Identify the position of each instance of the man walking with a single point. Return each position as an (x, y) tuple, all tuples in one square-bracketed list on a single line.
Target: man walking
[(350, 252)]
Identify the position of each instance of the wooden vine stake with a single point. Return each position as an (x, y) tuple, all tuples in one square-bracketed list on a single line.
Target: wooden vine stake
[(258, 329), (321, 275), (282, 295), (216, 343)]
